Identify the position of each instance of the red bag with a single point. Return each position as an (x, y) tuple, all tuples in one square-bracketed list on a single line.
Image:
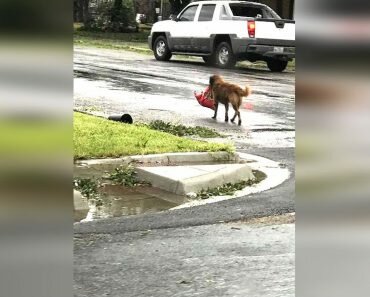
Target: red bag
[(204, 99)]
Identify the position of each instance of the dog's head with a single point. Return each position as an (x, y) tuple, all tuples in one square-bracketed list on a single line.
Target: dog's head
[(214, 79)]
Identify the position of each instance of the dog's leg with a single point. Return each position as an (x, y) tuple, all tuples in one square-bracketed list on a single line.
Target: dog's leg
[(216, 108), (240, 119), (226, 112), (236, 113)]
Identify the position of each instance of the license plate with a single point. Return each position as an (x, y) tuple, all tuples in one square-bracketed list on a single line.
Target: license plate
[(278, 49)]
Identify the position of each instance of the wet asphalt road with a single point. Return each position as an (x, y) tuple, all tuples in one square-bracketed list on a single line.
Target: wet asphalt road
[(111, 82), (111, 257), (222, 260)]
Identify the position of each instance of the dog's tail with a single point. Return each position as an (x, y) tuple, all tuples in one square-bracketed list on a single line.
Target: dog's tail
[(246, 92)]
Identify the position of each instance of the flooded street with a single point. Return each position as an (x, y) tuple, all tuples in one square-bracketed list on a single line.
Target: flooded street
[(190, 251), (109, 82), (114, 82), (117, 201)]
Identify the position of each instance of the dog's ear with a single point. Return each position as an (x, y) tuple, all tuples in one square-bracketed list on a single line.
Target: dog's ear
[(211, 80)]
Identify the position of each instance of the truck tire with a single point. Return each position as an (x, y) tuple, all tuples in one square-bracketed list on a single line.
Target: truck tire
[(224, 55), (161, 50), (276, 65)]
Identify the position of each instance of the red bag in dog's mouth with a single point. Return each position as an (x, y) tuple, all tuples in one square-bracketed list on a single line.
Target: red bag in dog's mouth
[(204, 99)]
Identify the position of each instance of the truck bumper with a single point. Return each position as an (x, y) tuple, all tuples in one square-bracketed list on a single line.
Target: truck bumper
[(150, 42), (263, 48)]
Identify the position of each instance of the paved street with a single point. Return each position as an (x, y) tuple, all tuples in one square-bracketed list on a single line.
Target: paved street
[(115, 82), (114, 258), (223, 260)]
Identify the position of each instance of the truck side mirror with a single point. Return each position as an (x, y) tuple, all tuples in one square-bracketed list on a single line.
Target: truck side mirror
[(173, 17)]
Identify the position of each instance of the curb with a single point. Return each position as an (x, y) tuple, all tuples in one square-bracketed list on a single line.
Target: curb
[(95, 166), (190, 179), (275, 173)]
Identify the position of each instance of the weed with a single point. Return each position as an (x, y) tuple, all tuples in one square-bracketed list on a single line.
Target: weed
[(216, 158), (87, 187), (181, 130), (125, 175), (229, 188)]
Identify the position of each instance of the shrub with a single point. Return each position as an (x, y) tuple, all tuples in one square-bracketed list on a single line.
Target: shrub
[(113, 16)]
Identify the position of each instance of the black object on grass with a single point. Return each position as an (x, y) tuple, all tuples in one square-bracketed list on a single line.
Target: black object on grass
[(125, 118)]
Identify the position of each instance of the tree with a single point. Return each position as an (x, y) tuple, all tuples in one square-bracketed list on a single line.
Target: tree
[(178, 5), (85, 11), (113, 16), (81, 11), (77, 11), (127, 15), (117, 15)]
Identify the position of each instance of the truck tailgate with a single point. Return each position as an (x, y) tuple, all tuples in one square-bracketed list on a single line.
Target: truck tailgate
[(275, 29)]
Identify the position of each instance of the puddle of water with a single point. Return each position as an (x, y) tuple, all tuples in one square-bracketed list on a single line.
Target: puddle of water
[(79, 215), (117, 201)]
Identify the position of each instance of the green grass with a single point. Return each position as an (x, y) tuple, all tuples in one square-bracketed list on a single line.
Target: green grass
[(123, 37), (136, 42), (99, 138), (133, 42)]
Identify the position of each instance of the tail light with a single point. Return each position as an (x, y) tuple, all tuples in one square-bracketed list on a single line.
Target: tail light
[(251, 28)]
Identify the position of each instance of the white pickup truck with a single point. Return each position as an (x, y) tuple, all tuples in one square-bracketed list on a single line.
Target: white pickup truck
[(224, 32)]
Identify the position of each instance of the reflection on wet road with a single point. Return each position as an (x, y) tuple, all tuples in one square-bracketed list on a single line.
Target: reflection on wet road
[(120, 201)]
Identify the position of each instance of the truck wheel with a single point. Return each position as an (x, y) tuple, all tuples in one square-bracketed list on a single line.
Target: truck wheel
[(161, 50), (224, 55), (277, 65)]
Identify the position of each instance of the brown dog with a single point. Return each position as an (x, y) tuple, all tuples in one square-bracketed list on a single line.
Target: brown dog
[(225, 93)]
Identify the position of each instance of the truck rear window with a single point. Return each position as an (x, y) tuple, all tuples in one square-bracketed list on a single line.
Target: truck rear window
[(243, 10)]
